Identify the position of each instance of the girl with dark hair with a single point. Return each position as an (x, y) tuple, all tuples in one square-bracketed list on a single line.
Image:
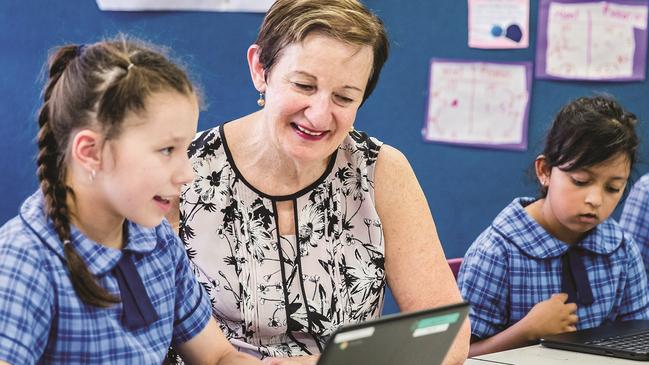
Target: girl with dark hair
[(89, 270), (557, 263)]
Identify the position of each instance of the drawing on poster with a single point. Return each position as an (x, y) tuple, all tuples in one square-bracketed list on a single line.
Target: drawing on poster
[(498, 24), (478, 103), (592, 40)]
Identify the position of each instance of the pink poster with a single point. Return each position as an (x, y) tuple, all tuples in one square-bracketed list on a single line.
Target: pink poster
[(499, 23), (587, 40), (482, 104)]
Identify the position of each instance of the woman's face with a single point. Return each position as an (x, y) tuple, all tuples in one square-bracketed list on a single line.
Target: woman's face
[(312, 94)]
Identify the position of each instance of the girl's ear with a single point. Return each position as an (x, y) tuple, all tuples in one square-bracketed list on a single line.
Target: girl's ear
[(86, 149), (542, 170), (257, 70)]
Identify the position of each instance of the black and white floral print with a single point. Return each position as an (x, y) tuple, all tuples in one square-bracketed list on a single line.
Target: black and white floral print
[(279, 295)]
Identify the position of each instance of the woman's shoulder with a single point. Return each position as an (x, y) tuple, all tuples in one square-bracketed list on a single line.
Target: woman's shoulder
[(205, 143), (361, 138), (361, 146)]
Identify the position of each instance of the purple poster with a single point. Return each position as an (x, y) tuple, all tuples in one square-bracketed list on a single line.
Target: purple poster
[(482, 104), (587, 40)]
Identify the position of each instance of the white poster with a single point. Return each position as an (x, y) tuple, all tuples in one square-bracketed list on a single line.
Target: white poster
[(260, 6), (592, 40), (479, 103), (499, 23)]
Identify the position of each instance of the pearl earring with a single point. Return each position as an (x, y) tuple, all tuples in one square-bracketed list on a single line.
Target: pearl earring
[(92, 175), (262, 100)]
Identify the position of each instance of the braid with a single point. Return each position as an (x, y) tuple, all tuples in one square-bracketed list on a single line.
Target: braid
[(50, 171), (94, 86)]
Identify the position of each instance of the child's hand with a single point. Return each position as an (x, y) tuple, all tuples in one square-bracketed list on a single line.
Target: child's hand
[(551, 316)]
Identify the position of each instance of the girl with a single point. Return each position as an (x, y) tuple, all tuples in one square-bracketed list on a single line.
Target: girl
[(88, 274), (557, 263), (635, 216)]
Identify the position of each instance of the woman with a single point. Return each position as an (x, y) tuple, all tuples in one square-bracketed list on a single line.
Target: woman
[(295, 221)]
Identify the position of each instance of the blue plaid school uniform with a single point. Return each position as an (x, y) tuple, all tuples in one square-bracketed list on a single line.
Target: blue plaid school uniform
[(635, 216), (515, 264), (43, 321)]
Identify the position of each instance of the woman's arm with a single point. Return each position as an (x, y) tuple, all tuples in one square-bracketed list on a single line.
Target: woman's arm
[(211, 347), (415, 265), (297, 360)]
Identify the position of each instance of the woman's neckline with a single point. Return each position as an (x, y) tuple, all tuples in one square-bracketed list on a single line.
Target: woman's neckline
[(295, 195)]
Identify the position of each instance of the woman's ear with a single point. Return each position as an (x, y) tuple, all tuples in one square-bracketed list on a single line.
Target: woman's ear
[(257, 70), (86, 150), (542, 170)]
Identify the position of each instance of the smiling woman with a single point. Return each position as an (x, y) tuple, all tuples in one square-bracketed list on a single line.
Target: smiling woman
[(295, 221)]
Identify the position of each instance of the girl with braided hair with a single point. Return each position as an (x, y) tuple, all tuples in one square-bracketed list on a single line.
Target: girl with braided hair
[(90, 272)]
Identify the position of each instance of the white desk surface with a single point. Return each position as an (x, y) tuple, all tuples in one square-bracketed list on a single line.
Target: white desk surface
[(474, 361), (539, 355)]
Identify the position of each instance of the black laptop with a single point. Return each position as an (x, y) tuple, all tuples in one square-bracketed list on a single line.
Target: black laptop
[(627, 339), (415, 338)]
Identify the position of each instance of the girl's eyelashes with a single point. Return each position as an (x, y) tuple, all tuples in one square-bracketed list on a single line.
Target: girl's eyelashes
[(579, 182), (167, 151), (613, 190)]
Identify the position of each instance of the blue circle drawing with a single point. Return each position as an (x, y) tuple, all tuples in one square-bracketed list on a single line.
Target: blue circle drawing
[(496, 31)]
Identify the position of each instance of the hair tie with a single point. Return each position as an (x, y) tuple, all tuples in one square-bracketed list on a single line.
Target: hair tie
[(129, 66)]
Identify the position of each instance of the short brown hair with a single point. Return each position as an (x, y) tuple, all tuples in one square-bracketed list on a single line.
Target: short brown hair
[(290, 21)]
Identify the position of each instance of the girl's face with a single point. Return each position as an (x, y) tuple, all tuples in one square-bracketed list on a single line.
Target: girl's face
[(145, 166), (312, 95), (579, 200)]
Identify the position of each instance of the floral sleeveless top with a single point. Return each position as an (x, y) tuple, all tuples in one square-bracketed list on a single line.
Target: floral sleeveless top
[(278, 295)]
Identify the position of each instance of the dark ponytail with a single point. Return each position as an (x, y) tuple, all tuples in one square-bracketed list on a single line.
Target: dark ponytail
[(588, 131), (92, 86)]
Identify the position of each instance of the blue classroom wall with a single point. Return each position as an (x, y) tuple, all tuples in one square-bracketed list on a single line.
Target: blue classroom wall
[(465, 187)]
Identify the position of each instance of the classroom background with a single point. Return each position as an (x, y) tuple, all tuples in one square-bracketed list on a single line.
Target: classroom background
[(465, 186)]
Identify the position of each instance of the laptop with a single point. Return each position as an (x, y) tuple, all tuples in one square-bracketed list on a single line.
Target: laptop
[(416, 338), (626, 339)]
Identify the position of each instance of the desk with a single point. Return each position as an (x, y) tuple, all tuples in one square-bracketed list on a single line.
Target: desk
[(475, 361), (539, 355)]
